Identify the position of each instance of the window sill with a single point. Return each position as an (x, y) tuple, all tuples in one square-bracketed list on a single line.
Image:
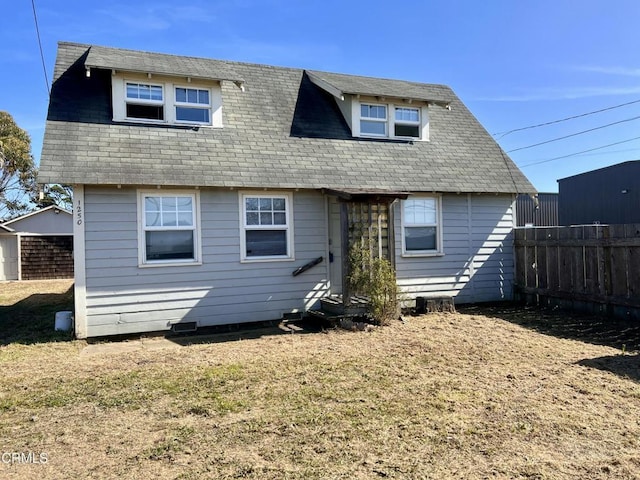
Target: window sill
[(395, 139), (422, 254), (169, 264), (266, 259), (162, 123)]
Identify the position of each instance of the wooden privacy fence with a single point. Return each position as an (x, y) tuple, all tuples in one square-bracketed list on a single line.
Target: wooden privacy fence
[(595, 268)]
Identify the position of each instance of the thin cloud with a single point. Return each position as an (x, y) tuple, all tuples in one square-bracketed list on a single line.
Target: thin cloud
[(537, 95), (620, 71), (248, 50), (158, 17), (14, 55)]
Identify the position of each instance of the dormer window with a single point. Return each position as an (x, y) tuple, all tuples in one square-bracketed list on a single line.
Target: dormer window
[(145, 101), (407, 122), (373, 120), (193, 105), (165, 101), (389, 120)]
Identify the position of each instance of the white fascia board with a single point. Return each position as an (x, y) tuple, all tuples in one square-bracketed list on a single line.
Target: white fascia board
[(326, 86), (31, 214)]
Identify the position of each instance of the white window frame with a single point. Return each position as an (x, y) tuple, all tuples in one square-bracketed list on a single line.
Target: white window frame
[(390, 122), (244, 227), (142, 229), (393, 122), (384, 121), (143, 101), (195, 106), (439, 250), (119, 83)]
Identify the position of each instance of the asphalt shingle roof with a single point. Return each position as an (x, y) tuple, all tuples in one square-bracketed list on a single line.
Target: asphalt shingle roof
[(281, 132), (382, 87), (161, 64)]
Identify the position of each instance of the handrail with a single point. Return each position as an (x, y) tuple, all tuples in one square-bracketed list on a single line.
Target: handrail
[(307, 266)]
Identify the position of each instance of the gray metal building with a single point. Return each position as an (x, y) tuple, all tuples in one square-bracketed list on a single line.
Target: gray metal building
[(540, 210), (608, 195)]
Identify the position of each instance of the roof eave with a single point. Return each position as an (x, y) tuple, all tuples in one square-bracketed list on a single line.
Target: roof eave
[(326, 86), (357, 194), (339, 93), (239, 82)]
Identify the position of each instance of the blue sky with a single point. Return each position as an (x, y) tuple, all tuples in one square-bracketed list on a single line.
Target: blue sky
[(513, 63)]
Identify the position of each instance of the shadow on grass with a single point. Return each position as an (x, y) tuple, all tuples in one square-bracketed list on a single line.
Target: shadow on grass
[(611, 332), (32, 319), (626, 366)]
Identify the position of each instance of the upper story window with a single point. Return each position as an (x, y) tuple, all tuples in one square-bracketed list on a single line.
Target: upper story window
[(145, 101), (373, 120), (163, 101), (193, 105), (421, 226), (407, 122), (387, 120)]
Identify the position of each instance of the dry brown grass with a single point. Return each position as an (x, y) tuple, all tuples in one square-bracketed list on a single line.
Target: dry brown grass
[(470, 395), (27, 310)]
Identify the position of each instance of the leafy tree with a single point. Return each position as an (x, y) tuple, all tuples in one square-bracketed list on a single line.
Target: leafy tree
[(55, 194), (17, 168)]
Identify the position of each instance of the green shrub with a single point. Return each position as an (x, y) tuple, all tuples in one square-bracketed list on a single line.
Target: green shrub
[(374, 277)]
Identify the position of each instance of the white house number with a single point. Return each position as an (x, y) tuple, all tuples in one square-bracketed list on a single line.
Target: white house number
[(79, 213)]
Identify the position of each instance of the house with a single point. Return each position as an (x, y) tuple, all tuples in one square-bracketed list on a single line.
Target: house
[(606, 195), (37, 245), (212, 192)]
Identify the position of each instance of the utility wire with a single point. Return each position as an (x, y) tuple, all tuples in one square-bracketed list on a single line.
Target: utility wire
[(574, 134), (44, 67), (504, 134), (578, 153)]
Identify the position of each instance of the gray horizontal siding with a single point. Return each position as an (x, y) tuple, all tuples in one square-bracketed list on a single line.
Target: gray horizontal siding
[(477, 265), (124, 298)]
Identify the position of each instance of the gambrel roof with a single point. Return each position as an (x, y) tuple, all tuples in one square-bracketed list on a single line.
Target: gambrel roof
[(282, 128)]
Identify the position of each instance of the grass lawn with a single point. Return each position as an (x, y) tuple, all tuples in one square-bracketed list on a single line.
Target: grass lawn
[(490, 392)]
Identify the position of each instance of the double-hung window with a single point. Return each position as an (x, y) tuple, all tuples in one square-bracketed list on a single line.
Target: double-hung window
[(388, 120), (193, 105), (421, 228), (161, 101), (407, 122), (373, 120), (266, 226), (169, 231), (144, 101)]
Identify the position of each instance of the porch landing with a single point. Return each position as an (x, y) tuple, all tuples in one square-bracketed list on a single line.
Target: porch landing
[(332, 308)]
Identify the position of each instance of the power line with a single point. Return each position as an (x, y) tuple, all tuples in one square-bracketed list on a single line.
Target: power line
[(578, 153), (574, 134), (504, 134), (44, 67)]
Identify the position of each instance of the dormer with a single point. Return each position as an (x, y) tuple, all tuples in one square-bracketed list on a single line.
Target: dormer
[(379, 117), (163, 89), (379, 108), (170, 100)]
